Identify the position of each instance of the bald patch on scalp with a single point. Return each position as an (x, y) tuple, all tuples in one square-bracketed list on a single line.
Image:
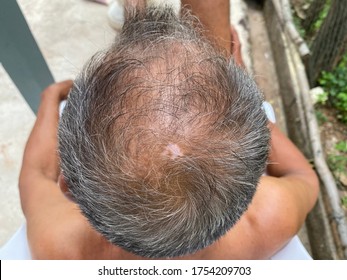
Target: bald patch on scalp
[(173, 151)]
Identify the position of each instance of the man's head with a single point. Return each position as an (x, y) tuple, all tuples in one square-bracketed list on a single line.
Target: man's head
[(163, 140)]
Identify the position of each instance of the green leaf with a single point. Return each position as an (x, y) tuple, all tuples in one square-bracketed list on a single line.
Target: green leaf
[(341, 146)]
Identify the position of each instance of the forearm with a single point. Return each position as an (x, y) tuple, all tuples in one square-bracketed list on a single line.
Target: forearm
[(286, 160), (40, 151), (284, 156), (40, 155)]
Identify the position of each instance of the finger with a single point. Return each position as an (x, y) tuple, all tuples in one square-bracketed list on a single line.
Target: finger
[(65, 86), (59, 90)]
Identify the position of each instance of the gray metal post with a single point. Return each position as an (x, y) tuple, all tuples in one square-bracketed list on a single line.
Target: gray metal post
[(20, 55)]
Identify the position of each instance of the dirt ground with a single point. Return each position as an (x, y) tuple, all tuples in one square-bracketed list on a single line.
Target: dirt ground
[(332, 132)]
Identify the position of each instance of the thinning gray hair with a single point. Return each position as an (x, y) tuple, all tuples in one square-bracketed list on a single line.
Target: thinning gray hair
[(163, 139)]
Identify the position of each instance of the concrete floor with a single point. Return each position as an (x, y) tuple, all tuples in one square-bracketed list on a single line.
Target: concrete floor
[(68, 32)]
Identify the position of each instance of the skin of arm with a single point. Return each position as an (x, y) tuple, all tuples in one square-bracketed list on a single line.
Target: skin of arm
[(279, 208), (45, 207), (40, 161), (284, 197), (286, 162), (55, 227)]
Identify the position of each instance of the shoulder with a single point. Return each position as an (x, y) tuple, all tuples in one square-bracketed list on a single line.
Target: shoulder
[(272, 219), (54, 233), (53, 222), (275, 208), (59, 231)]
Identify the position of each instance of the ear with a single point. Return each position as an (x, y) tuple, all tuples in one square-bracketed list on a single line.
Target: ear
[(64, 187)]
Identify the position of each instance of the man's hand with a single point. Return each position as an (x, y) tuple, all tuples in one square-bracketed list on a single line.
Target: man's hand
[(40, 159)]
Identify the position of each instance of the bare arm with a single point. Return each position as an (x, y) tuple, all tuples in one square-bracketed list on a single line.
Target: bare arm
[(40, 165), (286, 162), (49, 215), (284, 198)]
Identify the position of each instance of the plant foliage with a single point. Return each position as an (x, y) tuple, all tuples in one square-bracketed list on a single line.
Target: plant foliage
[(335, 86)]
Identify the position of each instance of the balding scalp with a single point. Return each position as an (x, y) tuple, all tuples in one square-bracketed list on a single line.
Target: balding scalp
[(163, 139)]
